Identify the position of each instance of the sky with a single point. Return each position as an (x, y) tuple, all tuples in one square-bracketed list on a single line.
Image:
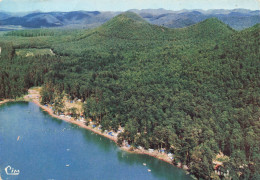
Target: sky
[(123, 5)]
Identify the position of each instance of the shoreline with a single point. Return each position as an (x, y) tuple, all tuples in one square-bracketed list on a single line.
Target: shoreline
[(50, 112), (156, 154), (6, 101)]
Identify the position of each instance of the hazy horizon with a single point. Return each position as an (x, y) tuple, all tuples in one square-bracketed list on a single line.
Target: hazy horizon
[(37, 10), (17, 6)]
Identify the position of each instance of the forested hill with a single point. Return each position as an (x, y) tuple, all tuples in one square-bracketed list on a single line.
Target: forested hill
[(193, 91), (208, 29), (129, 29), (130, 26)]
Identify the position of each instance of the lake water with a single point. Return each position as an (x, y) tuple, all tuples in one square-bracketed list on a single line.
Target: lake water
[(46, 145)]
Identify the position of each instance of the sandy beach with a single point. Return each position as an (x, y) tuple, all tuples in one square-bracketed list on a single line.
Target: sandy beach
[(5, 101)]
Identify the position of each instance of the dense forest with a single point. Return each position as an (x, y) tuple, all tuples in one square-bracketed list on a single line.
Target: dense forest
[(193, 91)]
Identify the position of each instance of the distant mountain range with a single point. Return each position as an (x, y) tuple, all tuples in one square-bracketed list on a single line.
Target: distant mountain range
[(238, 18)]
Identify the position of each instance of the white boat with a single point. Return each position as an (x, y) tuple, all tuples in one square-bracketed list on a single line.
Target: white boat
[(67, 165), (144, 164), (149, 170)]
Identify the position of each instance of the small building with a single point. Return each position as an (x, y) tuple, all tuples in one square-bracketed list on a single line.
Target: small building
[(151, 150), (170, 155), (110, 133), (162, 150), (140, 147)]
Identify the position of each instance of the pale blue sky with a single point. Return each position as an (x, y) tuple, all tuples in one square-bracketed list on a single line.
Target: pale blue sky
[(122, 5)]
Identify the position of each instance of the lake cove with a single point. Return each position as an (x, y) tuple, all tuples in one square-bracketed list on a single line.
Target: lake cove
[(39, 146)]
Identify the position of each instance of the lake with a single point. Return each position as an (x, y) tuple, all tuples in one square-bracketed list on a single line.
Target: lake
[(42, 147)]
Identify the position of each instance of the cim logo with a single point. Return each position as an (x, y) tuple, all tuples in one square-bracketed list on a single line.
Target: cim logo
[(11, 171)]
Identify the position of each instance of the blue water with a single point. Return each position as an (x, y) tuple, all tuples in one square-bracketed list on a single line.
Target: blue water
[(47, 145)]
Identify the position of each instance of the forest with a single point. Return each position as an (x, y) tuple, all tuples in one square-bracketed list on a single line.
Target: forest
[(193, 91)]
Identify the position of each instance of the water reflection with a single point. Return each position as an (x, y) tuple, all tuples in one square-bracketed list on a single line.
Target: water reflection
[(103, 143)]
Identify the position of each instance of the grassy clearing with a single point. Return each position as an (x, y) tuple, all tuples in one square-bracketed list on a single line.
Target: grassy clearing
[(68, 104), (33, 52), (36, 88), (76, 104)]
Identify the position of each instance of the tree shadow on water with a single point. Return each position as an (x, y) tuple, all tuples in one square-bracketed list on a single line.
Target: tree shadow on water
[(103, 143), (159, 169)]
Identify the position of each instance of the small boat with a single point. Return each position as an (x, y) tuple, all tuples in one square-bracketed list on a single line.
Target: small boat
[(67, 165), (18, 138), (144, 164), (149, 170)]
